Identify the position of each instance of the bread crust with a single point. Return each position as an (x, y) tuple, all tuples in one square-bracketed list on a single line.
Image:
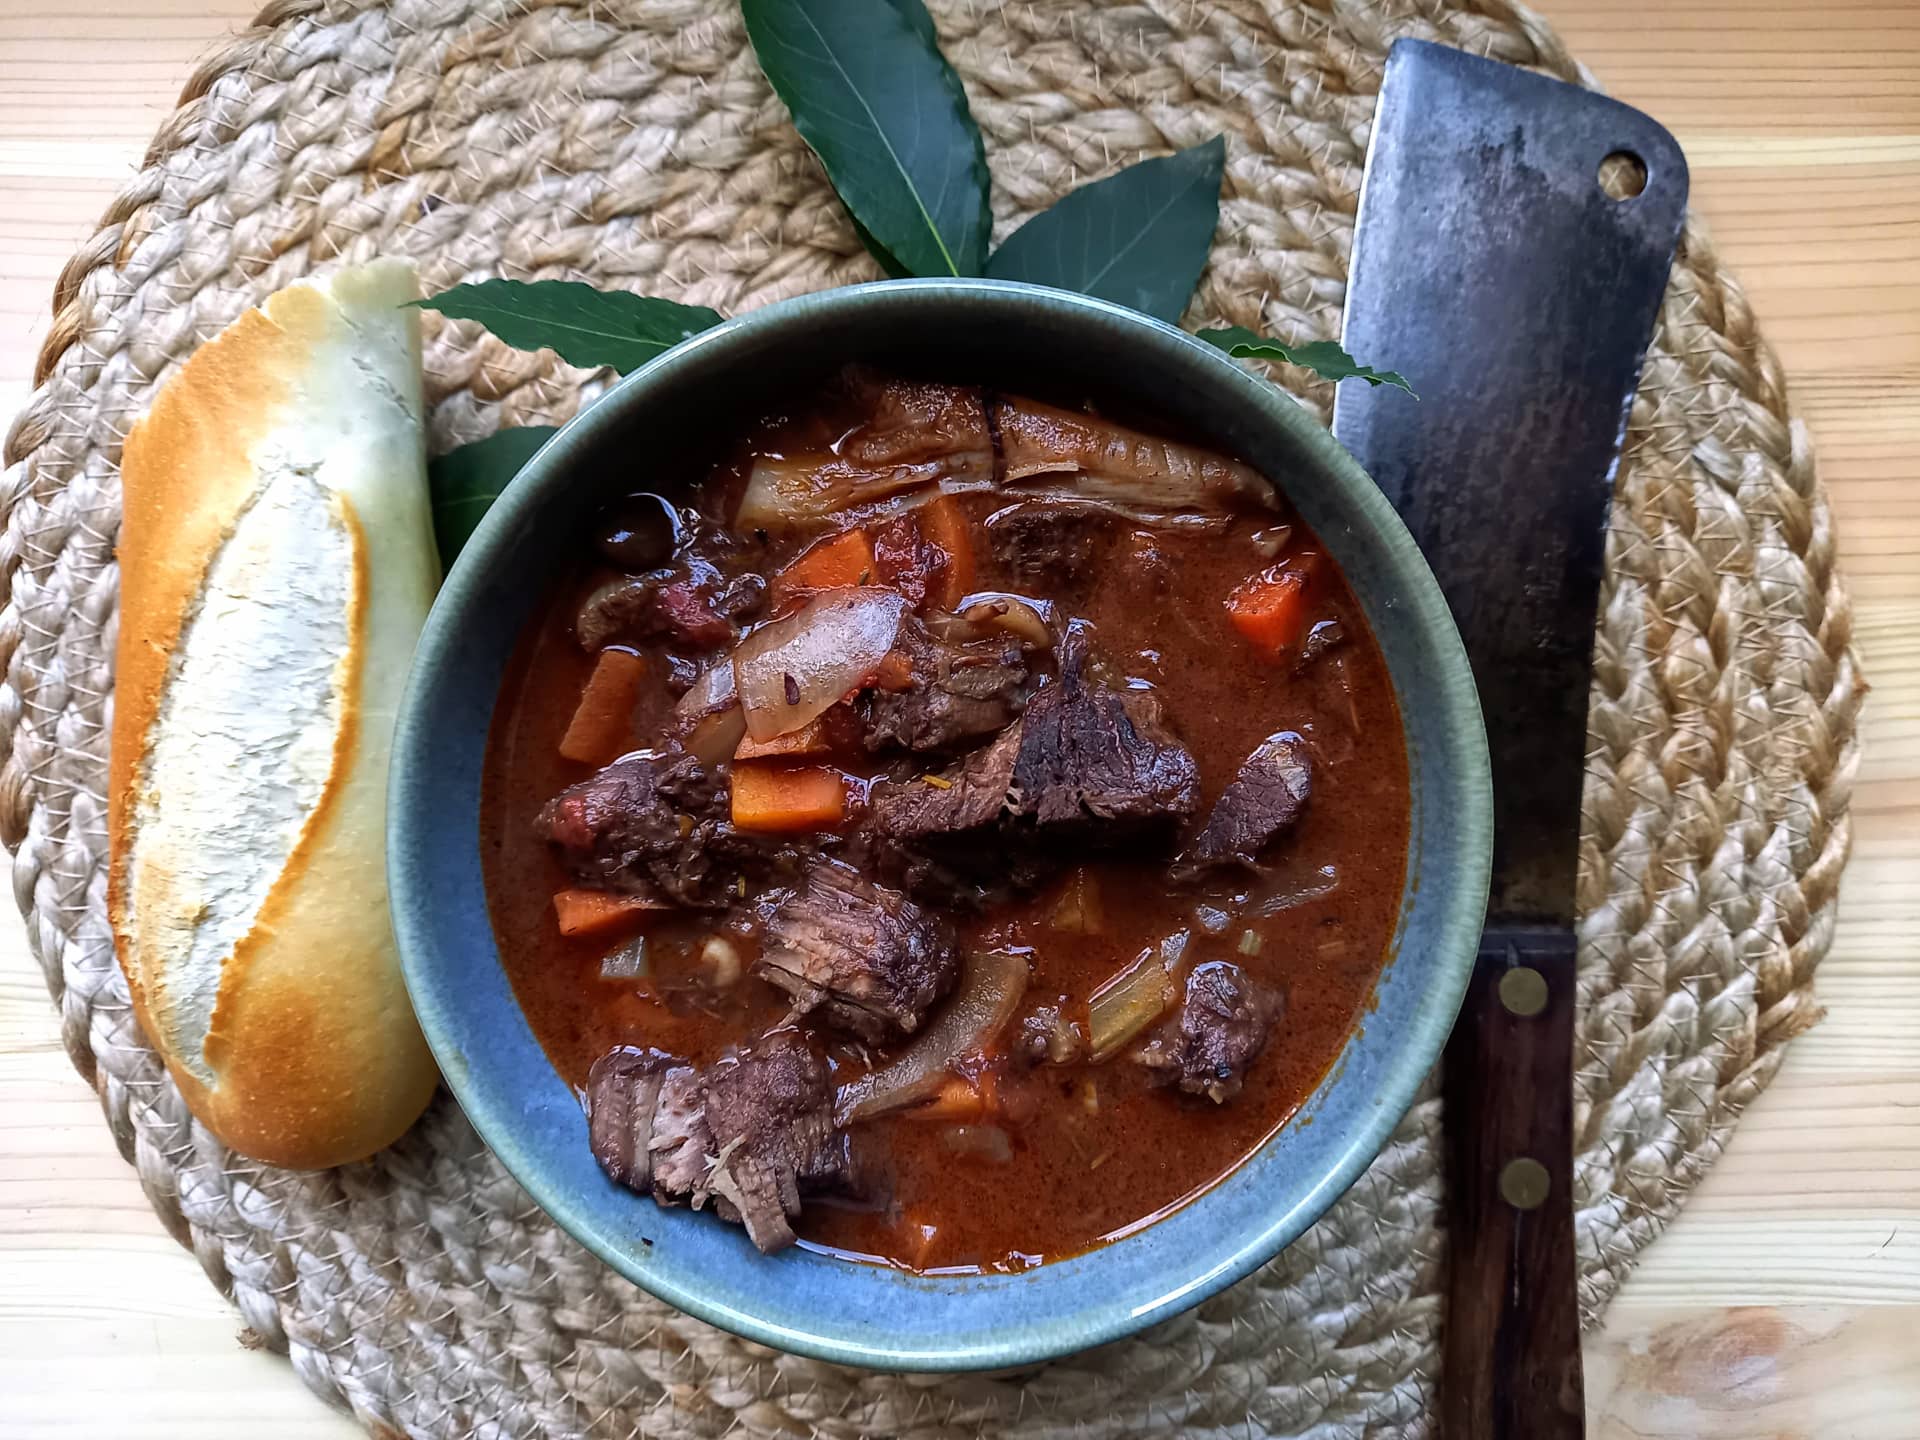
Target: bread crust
[(314, 1055)]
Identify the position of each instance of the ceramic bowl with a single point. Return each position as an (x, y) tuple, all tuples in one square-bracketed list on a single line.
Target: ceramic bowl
[(809, 1303)]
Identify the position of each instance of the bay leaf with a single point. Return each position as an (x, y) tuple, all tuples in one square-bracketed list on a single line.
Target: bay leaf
[(1139, 238), (582, 325), (463, 483), (1325, 358), (871, 93)]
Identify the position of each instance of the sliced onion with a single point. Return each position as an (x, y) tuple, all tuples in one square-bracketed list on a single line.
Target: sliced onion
[(795, 668), (981, 1142), (708, 715), (989, 993), (714, 739), (1292, 891), (1079, 910), (1018, 617), (712, 691), (627, 961), (1133, 999)]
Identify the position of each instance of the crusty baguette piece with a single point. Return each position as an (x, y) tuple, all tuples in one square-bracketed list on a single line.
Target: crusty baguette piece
[(276, 564)]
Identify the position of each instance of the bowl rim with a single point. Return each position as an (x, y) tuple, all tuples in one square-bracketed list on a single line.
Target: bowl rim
[(1454, 700)]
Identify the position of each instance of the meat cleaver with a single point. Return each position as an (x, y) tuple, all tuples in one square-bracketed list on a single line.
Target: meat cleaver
[(1515, 291)]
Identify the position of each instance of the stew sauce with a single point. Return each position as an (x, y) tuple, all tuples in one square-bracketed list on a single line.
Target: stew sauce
[(1021, 1161)]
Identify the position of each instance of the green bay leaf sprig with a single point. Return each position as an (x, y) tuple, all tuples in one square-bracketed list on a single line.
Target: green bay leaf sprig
[(582, 325), (463, 483), (1138, 238), (1325, 358), (874, 98), (872, 95)]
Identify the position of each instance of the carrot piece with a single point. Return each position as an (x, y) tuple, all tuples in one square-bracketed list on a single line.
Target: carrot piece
[(955, 1101), (768, 796), (945, 526), (594, 912), (926, 555), (843, 559), (809, 739), (1270, 609), (601, 727)]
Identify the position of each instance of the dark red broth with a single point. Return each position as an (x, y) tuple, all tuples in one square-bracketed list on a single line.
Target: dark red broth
[(1093, 1151)]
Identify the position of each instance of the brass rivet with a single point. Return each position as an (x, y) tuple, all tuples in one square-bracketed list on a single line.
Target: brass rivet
[(1524, 1183), (1523, 990)]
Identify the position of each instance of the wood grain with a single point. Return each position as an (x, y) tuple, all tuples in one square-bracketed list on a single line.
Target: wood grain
[(1784, 1300)]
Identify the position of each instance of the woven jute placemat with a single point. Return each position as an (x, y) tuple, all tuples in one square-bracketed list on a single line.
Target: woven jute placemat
[(634, 143)]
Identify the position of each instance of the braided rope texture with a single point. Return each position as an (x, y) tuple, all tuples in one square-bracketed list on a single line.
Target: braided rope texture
[(634, 143)]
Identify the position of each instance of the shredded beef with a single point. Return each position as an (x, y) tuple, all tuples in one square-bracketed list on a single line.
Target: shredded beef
[(753, 1133), (865, 957)]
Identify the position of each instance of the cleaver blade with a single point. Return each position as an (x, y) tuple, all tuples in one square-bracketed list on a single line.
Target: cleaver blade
[(1517, 295)]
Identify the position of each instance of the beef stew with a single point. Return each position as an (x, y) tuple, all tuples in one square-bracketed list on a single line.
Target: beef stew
[(951, 832)]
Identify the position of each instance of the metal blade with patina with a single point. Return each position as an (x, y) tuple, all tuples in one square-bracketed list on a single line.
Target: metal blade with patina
[(1517, 294)]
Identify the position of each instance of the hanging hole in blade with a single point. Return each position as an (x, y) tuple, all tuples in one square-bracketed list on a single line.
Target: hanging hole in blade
[(1623, 175)]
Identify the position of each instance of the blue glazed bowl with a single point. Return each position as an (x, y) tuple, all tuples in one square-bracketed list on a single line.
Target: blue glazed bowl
[(804, 1302)]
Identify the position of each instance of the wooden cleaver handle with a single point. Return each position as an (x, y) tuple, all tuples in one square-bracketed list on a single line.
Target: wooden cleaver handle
[(1512, 1341)]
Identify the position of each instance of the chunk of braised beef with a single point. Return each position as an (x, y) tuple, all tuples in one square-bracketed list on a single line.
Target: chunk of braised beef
[(620, 609), (687, 601), (961, 801), (859, 954), (687, 612), (956, 692), (676, 608), (623, 1090), (1048, 546), (654, 823), (1220, 1029), (942, 838), (1266, 796), (769, 1110), (1097, 760), (753, 1133), (1088, 765)]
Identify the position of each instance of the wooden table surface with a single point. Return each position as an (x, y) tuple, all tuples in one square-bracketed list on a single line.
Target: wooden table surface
[(1784, 1302)]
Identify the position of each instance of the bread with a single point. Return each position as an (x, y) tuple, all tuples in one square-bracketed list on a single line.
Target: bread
[(276, 564)]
